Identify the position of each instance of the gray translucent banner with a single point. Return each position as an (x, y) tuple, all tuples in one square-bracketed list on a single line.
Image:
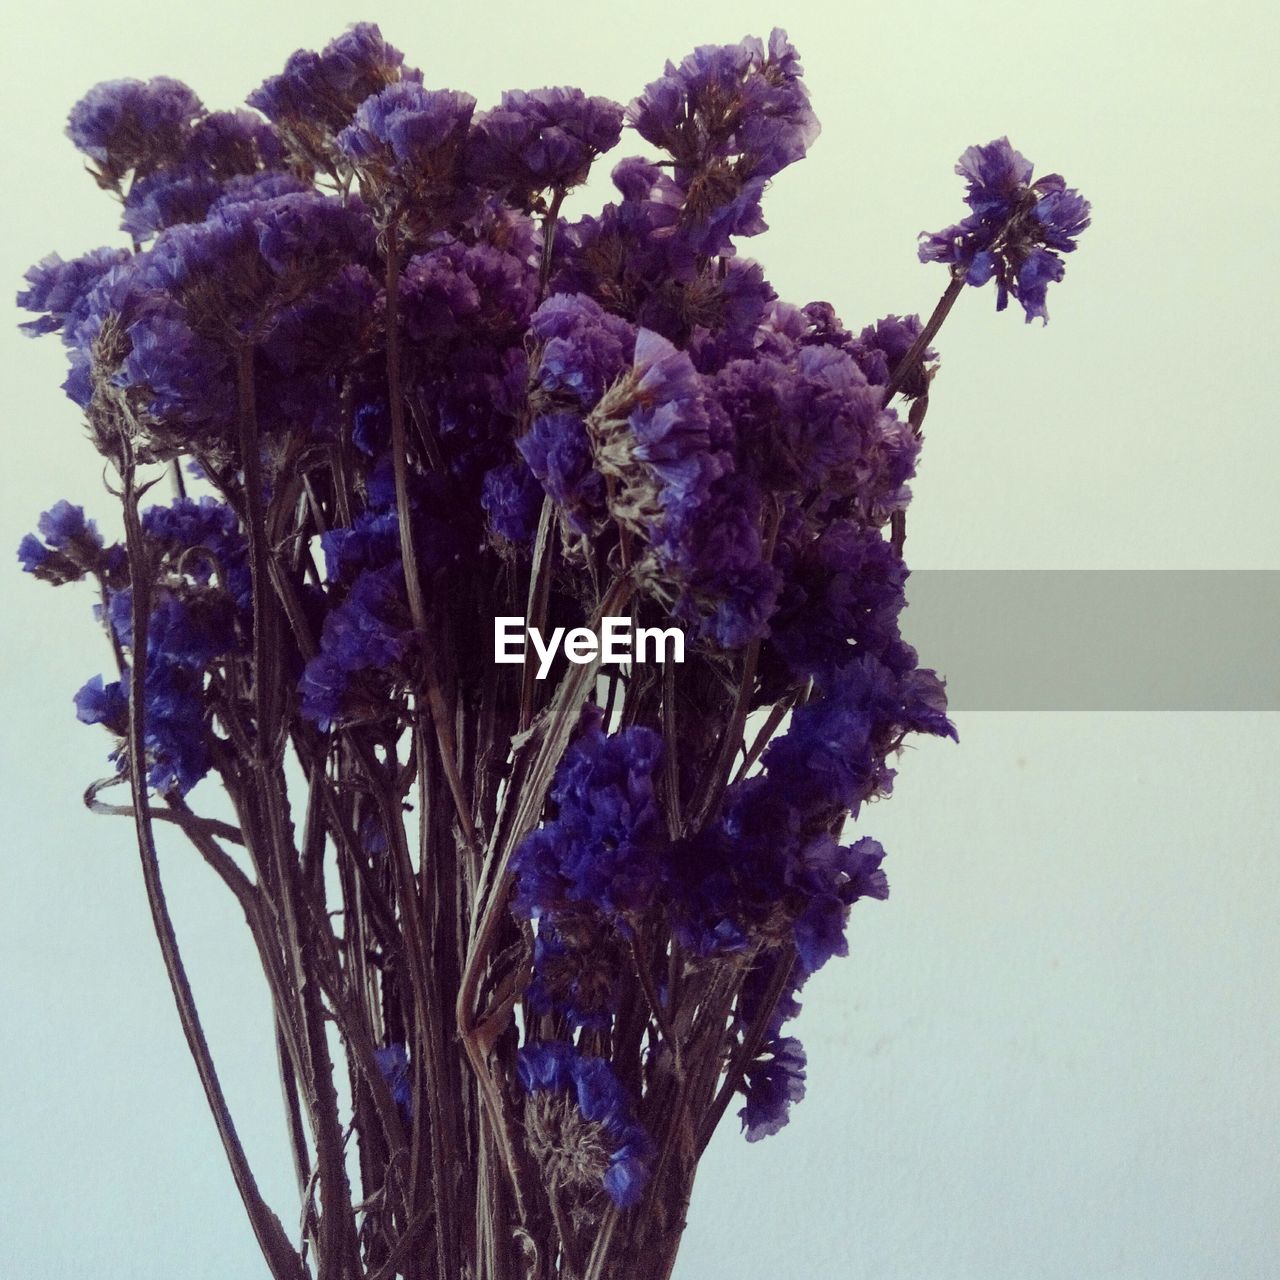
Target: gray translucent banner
[(1099, 640)]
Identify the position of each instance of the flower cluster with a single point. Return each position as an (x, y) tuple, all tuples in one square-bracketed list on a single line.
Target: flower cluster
[(1015, 230), (581, 1124), (399, 396)]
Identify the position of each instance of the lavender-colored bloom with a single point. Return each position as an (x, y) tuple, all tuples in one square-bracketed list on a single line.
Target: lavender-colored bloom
[(457, 293), (615, 1152), (393, 1065), (833, 877), (844, 591), (579, 959), (58, 290), (833, 755), (68, 546), (583, 348), (222, 146), (1015, 229), (544, 139), (126, 125), (104, 704), (602, 847), (177, 728), (415, 131), (558, 452), (745, 101), (732, 117), (368, 631), (210, 529), (512, 498), (774, 1080), (165, 200), (319, 92)]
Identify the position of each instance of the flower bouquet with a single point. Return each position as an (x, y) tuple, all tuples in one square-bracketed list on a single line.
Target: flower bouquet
[(522, 631)]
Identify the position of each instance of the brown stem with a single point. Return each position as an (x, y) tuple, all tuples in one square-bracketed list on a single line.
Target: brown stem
[(276, 1249), (441, 717), (907, 364)]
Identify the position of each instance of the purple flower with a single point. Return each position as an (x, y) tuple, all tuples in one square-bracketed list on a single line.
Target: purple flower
[(417, 131), (105, 704), (833, 877), (558, 452), (393, 1065), (544, 139), (579, 960), (614, 1151), (368, 632), (601, 849), (512, 498), (59, 290), (316, 94), (126, 125), (583, 348), (1015, 229), (69, 546), (774, 1080), (732, 117)]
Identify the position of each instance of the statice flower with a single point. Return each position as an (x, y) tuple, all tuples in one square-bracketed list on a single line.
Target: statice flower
[(557, 450), (582, 348), (732, 117), (1015, 230), (132, 126), (545, 139), (407, 145), (580, 1124), (316, 95), (369, 632), (512, 498), (579, 957), (221, 146), (68, 547), (774, 1080), (602, 846), (103, 703), (617, 888), (58, 290)]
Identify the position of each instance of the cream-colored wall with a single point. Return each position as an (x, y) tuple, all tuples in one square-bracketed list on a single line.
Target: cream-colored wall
[(1052, 1053)]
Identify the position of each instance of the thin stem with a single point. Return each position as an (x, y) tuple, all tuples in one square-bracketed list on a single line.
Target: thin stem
[(278, 1252), (907, 364), (440, 716), (549, 224)]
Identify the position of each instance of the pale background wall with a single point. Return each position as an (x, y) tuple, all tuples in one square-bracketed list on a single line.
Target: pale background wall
[(1052, 1054)]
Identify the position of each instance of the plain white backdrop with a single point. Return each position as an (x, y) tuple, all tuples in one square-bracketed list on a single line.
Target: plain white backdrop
[(1052, 1054)]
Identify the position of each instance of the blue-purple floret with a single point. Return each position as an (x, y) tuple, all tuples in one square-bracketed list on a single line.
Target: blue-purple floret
[(601, 849), (512, 498), (126, 125), (392, 1061), (558, 453), (407, 126), (104, 703), (732, 117), (1015, 229), (582, 348), (67, 547), (540, 140), (773, 1081), (58, 290), (325, 88), (556, 1067)]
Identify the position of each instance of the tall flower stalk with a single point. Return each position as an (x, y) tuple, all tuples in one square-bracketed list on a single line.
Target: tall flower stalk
[(559, 925)]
